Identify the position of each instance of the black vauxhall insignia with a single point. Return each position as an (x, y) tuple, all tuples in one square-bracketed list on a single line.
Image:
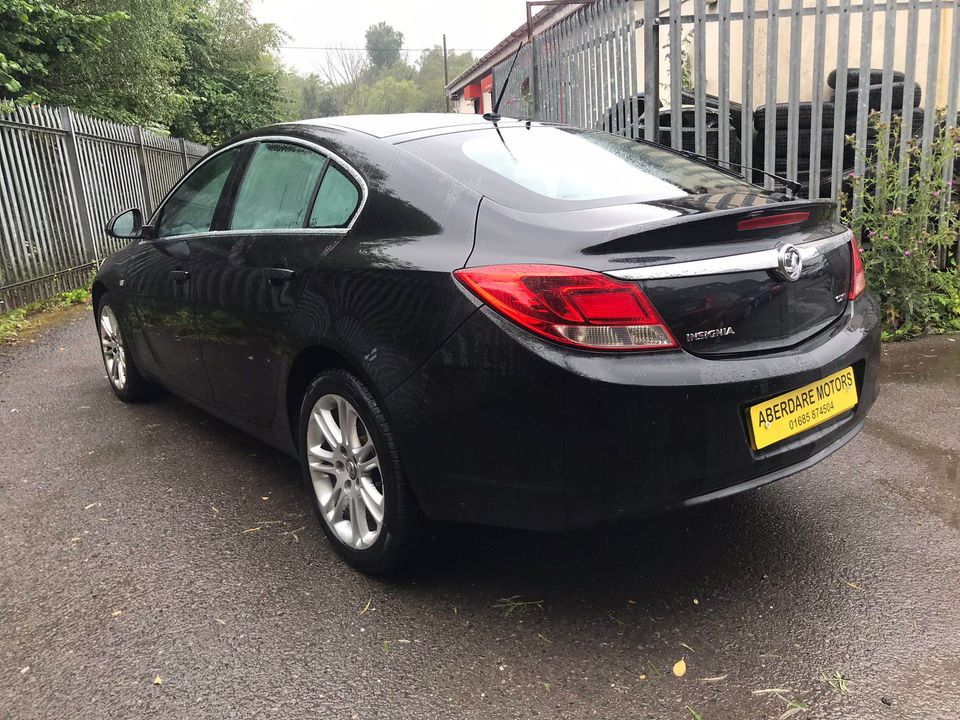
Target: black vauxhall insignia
[(512, 323)]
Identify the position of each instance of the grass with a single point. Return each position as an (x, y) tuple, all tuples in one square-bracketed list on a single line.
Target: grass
[(514, 604), (793, 706), (837, 681), (15, 323)]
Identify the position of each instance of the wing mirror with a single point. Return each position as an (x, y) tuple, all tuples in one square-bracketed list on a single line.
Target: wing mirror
[(127, 225)]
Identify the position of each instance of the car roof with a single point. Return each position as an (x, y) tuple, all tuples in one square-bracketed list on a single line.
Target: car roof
[(390, 126)]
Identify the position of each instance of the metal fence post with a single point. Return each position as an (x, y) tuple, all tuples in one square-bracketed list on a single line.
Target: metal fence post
[(651, 70), (79, 189), (144, 174), (183, 154), (535, 78)]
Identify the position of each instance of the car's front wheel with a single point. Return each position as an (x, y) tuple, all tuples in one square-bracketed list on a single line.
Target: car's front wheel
[(125, 379), (352, 470)]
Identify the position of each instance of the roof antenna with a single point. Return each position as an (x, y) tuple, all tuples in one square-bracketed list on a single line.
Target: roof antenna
[(495, 115)]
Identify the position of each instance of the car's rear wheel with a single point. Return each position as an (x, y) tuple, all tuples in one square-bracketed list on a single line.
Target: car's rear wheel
[(122, 373), (352, 470)]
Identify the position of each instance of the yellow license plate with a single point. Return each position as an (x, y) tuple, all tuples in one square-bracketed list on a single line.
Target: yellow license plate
[(801, 409)]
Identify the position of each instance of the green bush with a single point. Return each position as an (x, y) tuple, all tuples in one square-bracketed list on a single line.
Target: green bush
[(908, 230), (15, 323)]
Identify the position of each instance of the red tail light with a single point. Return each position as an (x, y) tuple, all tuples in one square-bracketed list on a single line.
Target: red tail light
[(771, 221), (858, 278), (575, 307)]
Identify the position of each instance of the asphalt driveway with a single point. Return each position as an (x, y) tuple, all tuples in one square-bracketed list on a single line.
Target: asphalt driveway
[(156, 563)]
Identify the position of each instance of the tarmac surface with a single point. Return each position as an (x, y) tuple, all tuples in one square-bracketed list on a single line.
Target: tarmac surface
[(154, 562)]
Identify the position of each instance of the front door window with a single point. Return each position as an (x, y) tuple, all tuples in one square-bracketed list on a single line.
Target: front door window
[(192, 206)]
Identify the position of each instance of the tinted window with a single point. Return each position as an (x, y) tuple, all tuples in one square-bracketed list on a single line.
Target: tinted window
[(190, 209), (337, 199), (277, 187), (523, 167)]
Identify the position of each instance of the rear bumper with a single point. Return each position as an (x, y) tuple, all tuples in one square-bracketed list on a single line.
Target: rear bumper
[(502, 428)]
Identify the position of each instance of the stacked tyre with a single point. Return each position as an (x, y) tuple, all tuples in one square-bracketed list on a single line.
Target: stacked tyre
[(848, 107), (688, 132), (688, 97), (688, 141), (626, 117)]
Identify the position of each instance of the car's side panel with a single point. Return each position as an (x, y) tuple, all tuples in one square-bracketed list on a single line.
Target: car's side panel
[(157, 282), (111, 279), (245, 313), (384, 297), (158, 296), (381, 296), (247, 286)]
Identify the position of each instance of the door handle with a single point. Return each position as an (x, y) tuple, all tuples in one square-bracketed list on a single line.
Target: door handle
[(180, 276), (278, 276)]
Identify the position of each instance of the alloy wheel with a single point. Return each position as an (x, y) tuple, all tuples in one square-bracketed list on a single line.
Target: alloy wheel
[(345, 472), (111, 343)]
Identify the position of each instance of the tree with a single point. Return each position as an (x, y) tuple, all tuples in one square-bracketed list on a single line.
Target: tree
[(201, 69), (344, 70), (309, 96), (230, 80), (132, 77), (387, 95), (383, 46), (37, 39), (430, 76), (319, 99)]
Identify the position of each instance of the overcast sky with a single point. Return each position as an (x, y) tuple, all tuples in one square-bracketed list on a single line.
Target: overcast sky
[(326, 23)]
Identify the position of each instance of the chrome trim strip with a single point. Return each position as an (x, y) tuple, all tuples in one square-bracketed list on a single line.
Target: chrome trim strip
[(743, 262), (252, 231), (341, 163)]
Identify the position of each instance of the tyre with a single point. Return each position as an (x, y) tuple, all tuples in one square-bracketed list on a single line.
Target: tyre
[(874, 95), (125, 379), (853, 77), (803, 163), (913, 126), (803, 158), (803, 142), (913, 123), (782, 115), (688, 97), (352, 471), (625, 116), (688, 141), (823, 183), (828, 116)]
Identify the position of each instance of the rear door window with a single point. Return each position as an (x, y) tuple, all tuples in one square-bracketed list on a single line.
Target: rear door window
[(277, 187), (336, 201)]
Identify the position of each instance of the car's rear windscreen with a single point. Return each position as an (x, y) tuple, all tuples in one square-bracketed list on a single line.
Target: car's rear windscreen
[(549, 168)]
